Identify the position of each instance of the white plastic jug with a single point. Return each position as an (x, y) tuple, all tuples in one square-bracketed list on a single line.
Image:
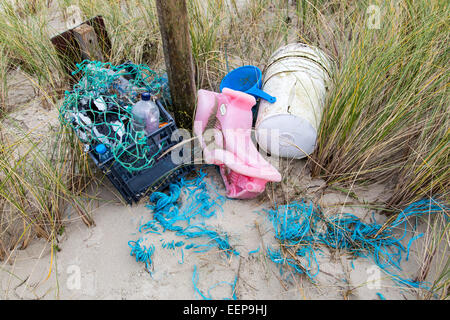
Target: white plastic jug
[(298, 76)]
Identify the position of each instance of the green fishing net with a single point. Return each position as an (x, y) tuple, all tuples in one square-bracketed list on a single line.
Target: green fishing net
[(99, 110)]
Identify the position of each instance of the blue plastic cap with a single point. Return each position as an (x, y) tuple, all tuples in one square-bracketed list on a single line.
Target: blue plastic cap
[(146, 96), (101, 149)]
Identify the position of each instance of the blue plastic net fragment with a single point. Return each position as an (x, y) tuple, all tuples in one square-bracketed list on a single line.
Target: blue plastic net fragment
[(301, 228)]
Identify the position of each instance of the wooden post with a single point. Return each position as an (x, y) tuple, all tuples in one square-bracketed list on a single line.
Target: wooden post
[(173, 23)]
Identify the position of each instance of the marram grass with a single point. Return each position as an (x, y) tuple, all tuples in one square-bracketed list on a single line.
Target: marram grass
[(386, 119)]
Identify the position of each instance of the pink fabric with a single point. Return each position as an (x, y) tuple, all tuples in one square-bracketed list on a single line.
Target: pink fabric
[(244, 171)]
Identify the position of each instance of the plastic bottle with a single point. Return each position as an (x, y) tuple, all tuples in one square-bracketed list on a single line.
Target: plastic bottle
[(102, 151), (121, 84), (145, 115)]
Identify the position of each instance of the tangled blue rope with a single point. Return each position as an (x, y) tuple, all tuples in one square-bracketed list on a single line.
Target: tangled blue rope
[(198, 203), (142, 253), (301, 226)]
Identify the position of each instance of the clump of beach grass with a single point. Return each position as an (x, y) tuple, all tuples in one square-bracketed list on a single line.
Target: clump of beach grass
[(4, 68), (132, 27), (386, 118), (40, 176), (25, 38), (433, 258)]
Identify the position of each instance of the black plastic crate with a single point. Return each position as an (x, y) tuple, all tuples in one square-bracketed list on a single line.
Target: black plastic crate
[(133, 185)]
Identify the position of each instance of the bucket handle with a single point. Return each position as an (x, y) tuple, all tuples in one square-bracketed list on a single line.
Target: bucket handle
[(261, 94)]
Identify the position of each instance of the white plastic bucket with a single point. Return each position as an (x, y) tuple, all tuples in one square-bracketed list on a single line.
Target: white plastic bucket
[(298, 76)]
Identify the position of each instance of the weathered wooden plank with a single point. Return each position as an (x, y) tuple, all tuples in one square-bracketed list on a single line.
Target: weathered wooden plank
[(69, 50), (173, 22), (87, 40)]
